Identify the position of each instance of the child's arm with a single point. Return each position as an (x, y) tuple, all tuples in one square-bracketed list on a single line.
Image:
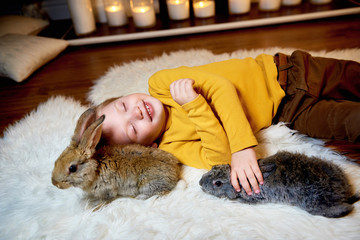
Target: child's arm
[(211, 142), (244, 164), (224, 99), (221, 95)]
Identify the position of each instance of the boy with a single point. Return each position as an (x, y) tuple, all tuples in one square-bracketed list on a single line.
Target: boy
[(211, 112)]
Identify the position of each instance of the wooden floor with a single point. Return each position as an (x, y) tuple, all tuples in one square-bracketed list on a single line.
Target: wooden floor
[(72, 73)]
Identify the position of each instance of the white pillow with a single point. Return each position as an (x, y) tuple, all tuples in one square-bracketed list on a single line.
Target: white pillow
[(21, 55), (21, 25)]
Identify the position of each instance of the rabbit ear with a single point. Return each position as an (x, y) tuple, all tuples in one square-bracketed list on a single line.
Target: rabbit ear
[(92, 134), (267, 168), (85, 120)]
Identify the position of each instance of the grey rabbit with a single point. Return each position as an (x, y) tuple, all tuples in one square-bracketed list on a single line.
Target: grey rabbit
[(316, 186), (108, 172)]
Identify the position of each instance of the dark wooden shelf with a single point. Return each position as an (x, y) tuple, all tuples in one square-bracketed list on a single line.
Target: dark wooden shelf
[(221, 21)]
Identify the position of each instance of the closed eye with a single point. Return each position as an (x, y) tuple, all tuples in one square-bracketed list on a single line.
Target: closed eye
[(133, 129), (132, 132), (124, 106)]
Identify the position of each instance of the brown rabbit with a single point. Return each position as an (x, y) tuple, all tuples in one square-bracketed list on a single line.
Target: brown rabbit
[(108, 172)]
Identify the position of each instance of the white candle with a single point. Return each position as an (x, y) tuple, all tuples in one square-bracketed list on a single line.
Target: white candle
[(143, 16), (239, 6), (82, 16), (178, 9), (116, 16), (204, 9), (320, 1), (269, 5), (99, 11)]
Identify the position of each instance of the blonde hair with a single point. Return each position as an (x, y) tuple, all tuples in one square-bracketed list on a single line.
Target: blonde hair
[(99, 107)]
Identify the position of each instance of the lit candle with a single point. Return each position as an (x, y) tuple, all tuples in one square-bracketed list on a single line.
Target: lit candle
[(116, 16), (204, 9), (269, 5), (239, 6), (178, 9), (82, 16), (290, 2), (144, 16)]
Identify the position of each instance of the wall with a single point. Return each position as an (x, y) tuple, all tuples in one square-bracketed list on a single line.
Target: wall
[(56, 9)]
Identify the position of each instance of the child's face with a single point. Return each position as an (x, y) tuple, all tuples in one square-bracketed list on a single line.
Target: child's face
[(135, 118)]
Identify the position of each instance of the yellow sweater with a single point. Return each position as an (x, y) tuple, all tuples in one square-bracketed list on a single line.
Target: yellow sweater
[(238, 97)]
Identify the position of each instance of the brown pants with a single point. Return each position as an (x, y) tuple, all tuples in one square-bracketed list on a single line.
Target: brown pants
[(322, 96)]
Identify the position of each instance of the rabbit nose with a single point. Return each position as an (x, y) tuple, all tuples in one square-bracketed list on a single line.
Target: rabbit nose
[(59, 184), (54, 182), (201, 182)]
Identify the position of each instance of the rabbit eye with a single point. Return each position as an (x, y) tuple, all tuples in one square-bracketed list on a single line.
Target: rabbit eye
[(72, 168), (218, 183)]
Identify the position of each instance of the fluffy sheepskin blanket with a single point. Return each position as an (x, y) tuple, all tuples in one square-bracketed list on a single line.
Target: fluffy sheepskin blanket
[(32, 208)]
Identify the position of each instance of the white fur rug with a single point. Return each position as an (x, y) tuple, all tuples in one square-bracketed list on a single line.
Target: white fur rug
[(32, 208)]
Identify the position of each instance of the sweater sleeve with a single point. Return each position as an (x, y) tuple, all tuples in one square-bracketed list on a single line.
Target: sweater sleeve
[(221, 95), (214, 143), (208, 147)]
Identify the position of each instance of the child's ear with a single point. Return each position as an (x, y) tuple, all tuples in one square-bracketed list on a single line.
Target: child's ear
[(154, 145)]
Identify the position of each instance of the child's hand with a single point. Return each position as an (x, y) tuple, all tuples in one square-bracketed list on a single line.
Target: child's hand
[(182, 91), (245, 167)]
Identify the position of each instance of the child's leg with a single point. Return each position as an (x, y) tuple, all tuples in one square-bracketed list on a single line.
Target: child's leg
[(319, 89), (325, 78), (331, 119)]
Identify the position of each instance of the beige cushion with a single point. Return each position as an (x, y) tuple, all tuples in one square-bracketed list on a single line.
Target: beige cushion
[(21, 55), (21, 25)]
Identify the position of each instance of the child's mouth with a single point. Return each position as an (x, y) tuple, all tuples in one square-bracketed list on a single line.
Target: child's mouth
[(148, 109)]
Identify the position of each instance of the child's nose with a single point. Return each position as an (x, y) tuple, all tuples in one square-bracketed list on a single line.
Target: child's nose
[(137, 114)]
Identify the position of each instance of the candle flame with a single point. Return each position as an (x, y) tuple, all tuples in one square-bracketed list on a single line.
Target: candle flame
[(141, 9), (113, 8)]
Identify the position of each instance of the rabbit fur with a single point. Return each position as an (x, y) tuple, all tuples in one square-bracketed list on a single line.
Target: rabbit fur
[(108, 172), (319, 187)]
